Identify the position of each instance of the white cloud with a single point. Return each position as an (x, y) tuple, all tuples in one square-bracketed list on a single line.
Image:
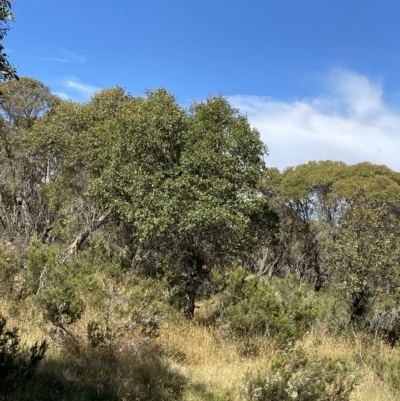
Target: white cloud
[(351, 123), (362, 97), (72, 56), (56, 59), (65, 56), (80, 90)]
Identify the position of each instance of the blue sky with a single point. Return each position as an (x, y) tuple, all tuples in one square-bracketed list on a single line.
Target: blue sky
[(318, 78)]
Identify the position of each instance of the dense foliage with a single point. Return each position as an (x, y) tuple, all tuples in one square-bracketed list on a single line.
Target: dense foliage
[(298, 376), (115, 211)]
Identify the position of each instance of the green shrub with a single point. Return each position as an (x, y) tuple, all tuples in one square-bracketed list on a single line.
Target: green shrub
[(40, 259), (249, 308), (135, 305), (387, 367), (323, 310), (66, 288), (61, 306), (281, 310), (17, 364), (60, 298), (299, 300), (295, 375)]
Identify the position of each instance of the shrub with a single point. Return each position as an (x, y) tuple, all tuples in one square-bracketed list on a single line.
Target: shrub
[(39, 259), (61, 301), (387, 367), (323, 310), (8, 269), (61, 306), (17, 364), (384, 319), (281, 310), (250, 308), (300, 302), (132, 308), (295, 375)]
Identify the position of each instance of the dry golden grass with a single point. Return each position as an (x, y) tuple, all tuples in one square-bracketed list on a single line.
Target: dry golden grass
[(211, 362), (370, 387), (208, 360), (28, 320), (186, 361)]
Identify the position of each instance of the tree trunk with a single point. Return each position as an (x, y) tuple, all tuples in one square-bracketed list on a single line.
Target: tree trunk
[(73, 248), (190, 306), (195, 272), (319, 280), (81, 237)]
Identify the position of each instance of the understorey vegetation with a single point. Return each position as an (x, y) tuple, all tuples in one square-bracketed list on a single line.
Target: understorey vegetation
[(147, 252)]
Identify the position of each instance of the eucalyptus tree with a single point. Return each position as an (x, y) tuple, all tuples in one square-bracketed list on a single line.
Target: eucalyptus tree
[(22, 173), (312, 199), (363, 259), (301, 197), (74, 139), (188, 183)]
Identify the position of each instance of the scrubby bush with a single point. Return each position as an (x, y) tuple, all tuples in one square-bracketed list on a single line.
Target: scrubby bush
[(61, 297), (135, 306), (296, 375), (387, 368), (250, 308), (117, 302), (61, 306), (300, 302), (8, 270), (279, 310), (17, 364), (383, 321), (40, 259)]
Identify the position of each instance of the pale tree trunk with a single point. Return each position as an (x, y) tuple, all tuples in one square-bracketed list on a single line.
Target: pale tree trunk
[(81, 237), (265, 268)]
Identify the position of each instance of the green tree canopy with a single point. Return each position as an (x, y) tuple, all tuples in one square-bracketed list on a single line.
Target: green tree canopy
[(23, 172), (312, 200), (188, 182)]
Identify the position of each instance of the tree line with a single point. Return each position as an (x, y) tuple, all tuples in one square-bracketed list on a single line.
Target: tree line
[(130, 206), (178, 192)]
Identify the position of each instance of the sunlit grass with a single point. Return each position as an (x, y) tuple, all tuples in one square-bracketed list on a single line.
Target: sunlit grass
[(186, 361)]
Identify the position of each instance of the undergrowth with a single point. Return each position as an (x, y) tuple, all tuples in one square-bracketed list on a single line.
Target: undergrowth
[(113, 335)]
